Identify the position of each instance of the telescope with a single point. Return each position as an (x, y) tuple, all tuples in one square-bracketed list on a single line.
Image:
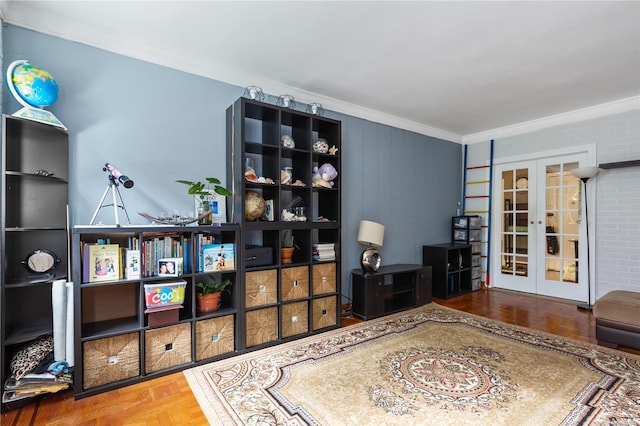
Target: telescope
[(124, 180), (115, 178)]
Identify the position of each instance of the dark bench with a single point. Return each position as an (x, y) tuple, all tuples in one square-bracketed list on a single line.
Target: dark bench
[(618, 319)]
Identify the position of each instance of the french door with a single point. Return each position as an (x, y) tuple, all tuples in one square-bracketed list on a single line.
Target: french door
[(538, 230)]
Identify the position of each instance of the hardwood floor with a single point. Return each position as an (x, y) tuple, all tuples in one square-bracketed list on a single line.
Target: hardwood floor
[(169, 401)]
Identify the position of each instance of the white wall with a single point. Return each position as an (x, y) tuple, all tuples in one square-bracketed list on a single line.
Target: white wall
[(617, 225)]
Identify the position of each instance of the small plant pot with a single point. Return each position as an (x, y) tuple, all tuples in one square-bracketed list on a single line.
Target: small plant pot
[(286, 254), (209, 302)]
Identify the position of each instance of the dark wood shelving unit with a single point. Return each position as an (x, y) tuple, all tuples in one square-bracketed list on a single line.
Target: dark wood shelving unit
[(452, 270), (619, 164), (115, 345), (285, 301), (33, 217), (392, 288)]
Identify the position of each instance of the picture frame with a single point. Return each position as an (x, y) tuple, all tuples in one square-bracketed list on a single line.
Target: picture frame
[(217, 203), (170, 267), (269, 211)]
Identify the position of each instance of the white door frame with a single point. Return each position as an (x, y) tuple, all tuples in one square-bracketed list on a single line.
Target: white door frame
[(590, 151)]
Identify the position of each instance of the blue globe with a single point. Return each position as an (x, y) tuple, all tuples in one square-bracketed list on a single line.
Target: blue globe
[(30, 85)]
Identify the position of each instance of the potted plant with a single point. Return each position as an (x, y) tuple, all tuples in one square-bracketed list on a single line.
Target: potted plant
[(286, 246), (208, 294), (201, 191)]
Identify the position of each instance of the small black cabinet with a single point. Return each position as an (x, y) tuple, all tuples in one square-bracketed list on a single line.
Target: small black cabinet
[(393, 288), (452, 268)]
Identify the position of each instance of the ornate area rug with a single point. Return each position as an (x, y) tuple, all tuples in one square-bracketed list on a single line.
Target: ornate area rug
[(431, 365)]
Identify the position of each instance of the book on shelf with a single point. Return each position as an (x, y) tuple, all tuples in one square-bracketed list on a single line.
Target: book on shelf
[(218, 257), (102, 262), (155, 247), (323, 258), (321, 246), (132, 264), (201, 240), (323, 252)]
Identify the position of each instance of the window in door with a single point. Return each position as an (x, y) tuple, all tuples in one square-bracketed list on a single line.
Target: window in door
[(514, 232), (562, 213)]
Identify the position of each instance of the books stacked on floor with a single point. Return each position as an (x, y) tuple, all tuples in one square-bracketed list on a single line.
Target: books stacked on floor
[(34, 371), (323, 252), (32, 384)]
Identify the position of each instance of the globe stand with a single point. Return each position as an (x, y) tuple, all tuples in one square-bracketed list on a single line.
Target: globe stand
[(33, 111), (39, 115), (113, 186)]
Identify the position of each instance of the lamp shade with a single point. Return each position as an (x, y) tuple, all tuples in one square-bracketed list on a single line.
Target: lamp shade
[(585, 172), (371, 233)]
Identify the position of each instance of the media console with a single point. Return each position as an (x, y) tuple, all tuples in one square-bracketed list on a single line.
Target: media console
[(393, 288)]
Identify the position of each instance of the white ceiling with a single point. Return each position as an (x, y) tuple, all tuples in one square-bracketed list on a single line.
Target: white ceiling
[(463, 71)]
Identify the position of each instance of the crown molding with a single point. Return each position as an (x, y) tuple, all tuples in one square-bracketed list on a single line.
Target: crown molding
[(596, 111), (209, 68)]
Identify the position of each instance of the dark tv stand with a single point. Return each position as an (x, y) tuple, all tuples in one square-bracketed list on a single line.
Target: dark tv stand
[(393, 288)]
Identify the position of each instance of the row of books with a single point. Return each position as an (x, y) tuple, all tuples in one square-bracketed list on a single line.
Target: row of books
[(166, 255), (323, 252)]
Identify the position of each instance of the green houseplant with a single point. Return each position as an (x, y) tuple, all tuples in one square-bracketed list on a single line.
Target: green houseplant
[(287, 246), (201, 190), (208, 294)]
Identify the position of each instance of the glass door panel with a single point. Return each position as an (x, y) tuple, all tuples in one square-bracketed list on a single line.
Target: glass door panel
[(561, 233), (515, 235)]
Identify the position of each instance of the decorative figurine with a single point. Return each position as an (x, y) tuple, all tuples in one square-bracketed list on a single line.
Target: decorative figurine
[(288, 142), (324, 175), (333, 150), (321, 146)]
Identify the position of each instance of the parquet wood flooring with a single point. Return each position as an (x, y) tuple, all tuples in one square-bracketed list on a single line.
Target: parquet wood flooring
[(168, 400)]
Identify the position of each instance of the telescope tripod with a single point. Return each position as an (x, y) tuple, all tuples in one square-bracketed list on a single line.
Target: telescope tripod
[(113, 186)]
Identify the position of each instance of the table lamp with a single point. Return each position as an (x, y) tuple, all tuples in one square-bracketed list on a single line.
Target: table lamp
[(371, 235)]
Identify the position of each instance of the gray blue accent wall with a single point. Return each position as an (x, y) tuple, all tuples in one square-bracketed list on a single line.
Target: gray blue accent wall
[(157, 124)]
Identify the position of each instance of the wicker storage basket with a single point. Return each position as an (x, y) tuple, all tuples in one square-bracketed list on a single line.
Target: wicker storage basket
[(295, 318), (262, 326), (294, 283), (214, 337), (324, 278), (324, 312), (110, 360), (261, 288), (167, 347)]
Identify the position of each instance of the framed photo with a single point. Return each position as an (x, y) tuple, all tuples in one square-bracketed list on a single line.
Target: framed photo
[(218, 257), (269, 212), (217, 203), (170, 267)]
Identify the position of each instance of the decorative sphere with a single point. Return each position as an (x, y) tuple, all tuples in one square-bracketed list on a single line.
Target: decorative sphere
[(30, 85), (254, 206)]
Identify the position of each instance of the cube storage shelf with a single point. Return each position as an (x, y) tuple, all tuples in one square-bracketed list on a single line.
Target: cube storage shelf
[(35, 171), (452, 271), (270, 302), (284, 301), (116, 341)]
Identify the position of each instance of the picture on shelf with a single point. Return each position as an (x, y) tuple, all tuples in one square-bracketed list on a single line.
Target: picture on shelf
[(218, 257), (170, 267), (216, 203)]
